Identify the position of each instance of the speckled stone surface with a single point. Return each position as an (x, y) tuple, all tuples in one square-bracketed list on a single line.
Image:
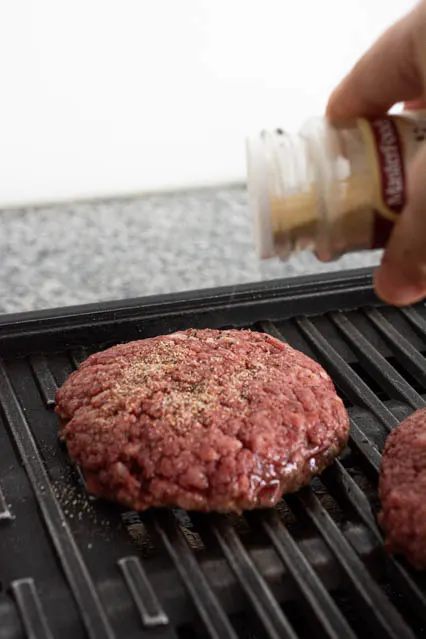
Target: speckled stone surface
[(87, 252)]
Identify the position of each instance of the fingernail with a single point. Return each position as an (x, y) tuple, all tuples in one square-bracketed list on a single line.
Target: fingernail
[(394, 288)]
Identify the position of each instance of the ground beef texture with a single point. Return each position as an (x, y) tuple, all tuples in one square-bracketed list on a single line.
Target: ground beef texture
[(204, 420), (402, 488)]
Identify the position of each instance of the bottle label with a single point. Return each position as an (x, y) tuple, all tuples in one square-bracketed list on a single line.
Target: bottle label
[(386, 164), (390, 163), (391, 142)]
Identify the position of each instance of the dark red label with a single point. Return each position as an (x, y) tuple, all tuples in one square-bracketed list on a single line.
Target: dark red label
[(391, 164), (392, 178)]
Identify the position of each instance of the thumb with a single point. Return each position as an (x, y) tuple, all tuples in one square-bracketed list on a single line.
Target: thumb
[(401, 278)]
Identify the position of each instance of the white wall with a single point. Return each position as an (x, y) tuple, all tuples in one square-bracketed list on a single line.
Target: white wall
[(104, 97)]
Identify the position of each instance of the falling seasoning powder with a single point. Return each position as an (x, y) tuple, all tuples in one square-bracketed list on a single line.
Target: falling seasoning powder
[(333, 188)]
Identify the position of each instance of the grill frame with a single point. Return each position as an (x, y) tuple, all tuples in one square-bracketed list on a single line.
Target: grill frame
[(68, 564)]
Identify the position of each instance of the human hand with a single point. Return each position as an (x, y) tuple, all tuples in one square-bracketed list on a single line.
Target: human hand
[(392, 71)]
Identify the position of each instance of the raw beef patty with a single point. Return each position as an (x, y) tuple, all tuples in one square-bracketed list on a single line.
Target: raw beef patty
[(403, 489), (201, 419)]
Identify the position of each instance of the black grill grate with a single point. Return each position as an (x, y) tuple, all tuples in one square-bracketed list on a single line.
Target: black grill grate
[(71, 566)]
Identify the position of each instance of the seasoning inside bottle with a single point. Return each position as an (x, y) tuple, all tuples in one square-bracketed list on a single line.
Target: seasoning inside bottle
[(333, 188)]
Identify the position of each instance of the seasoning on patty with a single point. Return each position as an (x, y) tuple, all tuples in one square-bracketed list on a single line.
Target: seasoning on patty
[(204, 420)]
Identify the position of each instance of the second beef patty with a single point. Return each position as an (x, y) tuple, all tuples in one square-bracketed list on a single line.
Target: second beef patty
[(402, 488)]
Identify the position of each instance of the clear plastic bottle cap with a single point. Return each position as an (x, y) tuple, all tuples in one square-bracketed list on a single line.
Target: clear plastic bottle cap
[(258, 168), (280, 194)]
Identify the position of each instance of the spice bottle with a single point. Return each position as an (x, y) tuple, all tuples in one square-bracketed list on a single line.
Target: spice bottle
[(333, 188)]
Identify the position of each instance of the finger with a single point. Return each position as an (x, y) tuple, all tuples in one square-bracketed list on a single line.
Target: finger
[(401, 278), (388, 73), (415, 105)]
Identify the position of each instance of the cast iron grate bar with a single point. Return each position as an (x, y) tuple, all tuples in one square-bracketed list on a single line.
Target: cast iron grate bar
[(408, 355), (30, 608), (337, 477), (81, 480), (382, 370), (325, 611), (44, 379), (82, 586), (78, 355), (205, 601), (365, 446), (415, 319), (269, 327), (378, 611), (340, 484), (251, 581), (144, 597), (345, 376), (5, 514)]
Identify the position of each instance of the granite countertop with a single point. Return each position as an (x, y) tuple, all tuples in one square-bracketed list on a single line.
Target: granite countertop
[(87, 252)]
